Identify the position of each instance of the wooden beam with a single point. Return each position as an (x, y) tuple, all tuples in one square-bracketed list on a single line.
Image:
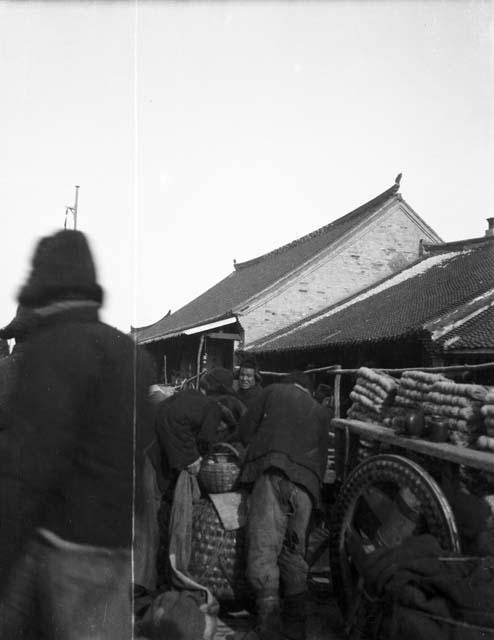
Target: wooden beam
[(442, 450), (475, 352), (335, 369), (224, 336)]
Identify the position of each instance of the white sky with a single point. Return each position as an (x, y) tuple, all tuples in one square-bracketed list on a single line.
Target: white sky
[(203, 132)]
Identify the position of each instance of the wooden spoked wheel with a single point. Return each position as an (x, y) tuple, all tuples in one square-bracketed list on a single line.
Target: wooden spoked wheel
[(381, 477)]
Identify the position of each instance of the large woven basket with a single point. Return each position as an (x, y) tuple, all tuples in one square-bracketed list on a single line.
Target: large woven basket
[(220, 469), (218, 556)]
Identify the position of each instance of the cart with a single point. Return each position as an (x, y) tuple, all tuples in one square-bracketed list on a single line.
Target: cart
[(368, 491)]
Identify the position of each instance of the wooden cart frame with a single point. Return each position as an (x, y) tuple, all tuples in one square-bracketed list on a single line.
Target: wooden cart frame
[(348, 434)]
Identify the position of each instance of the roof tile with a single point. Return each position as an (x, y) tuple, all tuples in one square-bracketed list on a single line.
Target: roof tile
[(398, 306), (476, 333)]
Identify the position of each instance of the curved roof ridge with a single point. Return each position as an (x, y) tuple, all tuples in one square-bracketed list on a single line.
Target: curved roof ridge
[(381, 198)]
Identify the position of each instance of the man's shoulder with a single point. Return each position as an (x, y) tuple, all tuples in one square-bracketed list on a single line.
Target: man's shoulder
[(80, 341), (290, 391), (104, 337), (106, 330), (276, 388), (192, 397)]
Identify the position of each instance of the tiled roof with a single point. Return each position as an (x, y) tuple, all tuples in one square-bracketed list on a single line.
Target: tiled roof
[(398, 306), (251, 277), (476, 333)]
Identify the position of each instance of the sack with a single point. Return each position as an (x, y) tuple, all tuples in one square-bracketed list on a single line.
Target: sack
[(220, 469), (189, 612), (180, 544), (178, 615), (180, 525), (426, 592)]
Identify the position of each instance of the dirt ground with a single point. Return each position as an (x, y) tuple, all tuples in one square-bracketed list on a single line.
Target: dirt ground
[(324, 623)]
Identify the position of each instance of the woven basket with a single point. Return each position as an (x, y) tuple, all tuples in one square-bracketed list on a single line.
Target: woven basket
[(218, 556), (220, 469)]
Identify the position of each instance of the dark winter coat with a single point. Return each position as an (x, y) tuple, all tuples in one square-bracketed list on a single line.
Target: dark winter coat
[(286, 429), (78, 421), (232, 410), (249, 396), (9, 366), (186, 423)]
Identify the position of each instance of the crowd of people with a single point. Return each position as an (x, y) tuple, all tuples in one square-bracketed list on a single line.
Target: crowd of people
[(89, 443), (282, 434)]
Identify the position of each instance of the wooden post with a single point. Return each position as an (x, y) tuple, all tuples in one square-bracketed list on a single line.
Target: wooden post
[(337, 397), (165, 372), (198, 364)]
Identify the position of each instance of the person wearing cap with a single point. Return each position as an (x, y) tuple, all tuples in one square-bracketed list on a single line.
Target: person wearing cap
[(217, 384), (249, 380), (17, 329), (287, 435), (324, 395), (147, 533), (186, 423), (78, 422)]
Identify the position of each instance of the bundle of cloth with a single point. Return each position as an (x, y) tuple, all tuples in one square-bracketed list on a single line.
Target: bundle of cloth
[(372, 395), (460, 405), (486, 441), (414, 387), (427, 592), (485, 538)]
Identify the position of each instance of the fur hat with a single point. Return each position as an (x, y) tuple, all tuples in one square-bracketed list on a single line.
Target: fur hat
[(248, 361), (62, 269)]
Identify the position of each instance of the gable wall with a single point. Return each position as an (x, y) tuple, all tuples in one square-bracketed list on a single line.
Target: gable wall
[(386, 246)]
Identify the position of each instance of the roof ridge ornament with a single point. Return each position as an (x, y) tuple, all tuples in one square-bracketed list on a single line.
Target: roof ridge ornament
[(394, 189)]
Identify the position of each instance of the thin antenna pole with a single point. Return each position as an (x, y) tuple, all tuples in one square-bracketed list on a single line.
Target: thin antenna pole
[(75, 205), (72, 210)]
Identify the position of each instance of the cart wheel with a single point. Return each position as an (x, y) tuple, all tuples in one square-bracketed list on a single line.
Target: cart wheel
[(385, 475)]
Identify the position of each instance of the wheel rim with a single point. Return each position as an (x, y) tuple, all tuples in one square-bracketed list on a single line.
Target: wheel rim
[(375, 471)]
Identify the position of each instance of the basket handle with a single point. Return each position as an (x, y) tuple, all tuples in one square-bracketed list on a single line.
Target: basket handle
[(227, 445)]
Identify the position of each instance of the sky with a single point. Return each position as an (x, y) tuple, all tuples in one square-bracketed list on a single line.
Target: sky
[(202, 132)]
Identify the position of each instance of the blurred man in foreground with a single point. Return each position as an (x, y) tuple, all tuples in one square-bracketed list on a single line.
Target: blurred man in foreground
[(77, 424)]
